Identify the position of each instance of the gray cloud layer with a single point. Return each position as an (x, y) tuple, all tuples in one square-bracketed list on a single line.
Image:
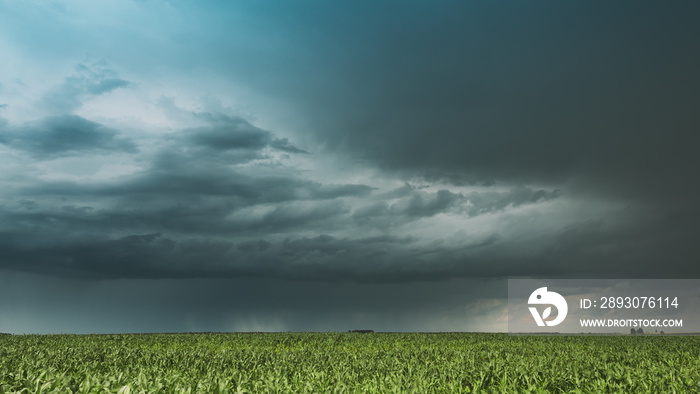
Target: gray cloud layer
[(316, 165), (211, 201), (553, 139), (63, 135), (599, 93)]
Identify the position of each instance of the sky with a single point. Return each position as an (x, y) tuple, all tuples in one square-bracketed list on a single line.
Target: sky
[(171, 166)]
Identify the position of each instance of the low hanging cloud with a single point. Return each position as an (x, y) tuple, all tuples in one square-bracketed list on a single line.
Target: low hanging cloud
[(284, 145), (64, 135), (411, 203), (213, 201), (231, 138), (228, 133), (443, 189)]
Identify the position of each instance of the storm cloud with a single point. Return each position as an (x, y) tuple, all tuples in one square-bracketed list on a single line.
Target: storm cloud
[(219, 204), (379, 147), (63, 135), (587, 92)]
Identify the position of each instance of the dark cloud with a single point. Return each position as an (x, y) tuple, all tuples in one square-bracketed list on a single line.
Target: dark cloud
[(228, 133), (181, 182), (133, 256), (484, 202), (284, 145), (191, 214), (51, 305), (587, 102), (88, 81), (589, 93), (535, 139), (410, 203), (63, 135), (418, 206), (254, 246), (215, 203), (232, 138), (216, 242), (196, 197)]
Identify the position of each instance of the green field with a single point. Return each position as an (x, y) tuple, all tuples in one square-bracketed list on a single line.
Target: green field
[(348, 362)]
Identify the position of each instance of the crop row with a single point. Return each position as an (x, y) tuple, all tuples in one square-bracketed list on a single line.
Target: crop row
[(346, 362)]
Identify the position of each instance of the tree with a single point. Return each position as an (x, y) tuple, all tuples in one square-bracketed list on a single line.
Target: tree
[(633, 331), (640, 331)]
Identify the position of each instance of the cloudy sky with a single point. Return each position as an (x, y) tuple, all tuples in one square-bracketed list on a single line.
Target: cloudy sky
[(320, 165)]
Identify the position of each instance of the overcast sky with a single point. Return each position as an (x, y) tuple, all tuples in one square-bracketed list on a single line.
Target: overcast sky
[(333, 165)]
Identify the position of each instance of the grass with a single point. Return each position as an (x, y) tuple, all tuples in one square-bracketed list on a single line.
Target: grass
[(346, 362)]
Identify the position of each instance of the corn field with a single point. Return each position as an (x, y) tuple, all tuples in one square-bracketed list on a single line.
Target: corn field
[(347, 363)]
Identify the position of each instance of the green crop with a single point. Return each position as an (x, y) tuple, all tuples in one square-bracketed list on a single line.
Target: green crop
[(347, 363)]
